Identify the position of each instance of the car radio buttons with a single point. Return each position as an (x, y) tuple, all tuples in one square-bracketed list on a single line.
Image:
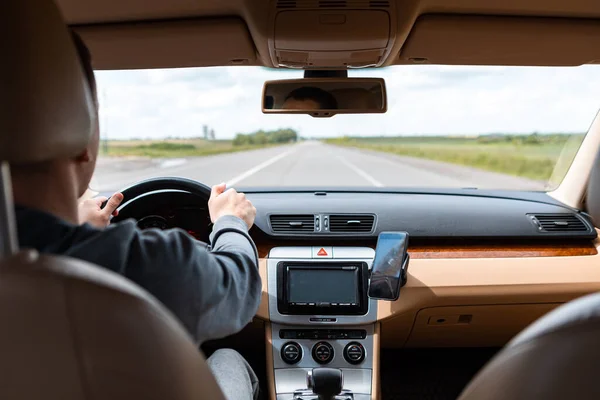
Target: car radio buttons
[(291, 353), (354, 353), (322, 352)]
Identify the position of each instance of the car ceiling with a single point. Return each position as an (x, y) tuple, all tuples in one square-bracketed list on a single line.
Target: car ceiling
[(172, 33), (78, 12)]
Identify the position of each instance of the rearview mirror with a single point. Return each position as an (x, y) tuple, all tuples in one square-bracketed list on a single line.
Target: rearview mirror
[(325, 97)]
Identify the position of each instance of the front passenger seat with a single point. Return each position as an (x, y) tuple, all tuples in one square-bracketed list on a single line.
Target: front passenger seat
[(70, 330), (558, 356)]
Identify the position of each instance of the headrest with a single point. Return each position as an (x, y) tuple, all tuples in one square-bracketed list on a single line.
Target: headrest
[(46, 108), (555, 358), (74, 331), (593, 192)]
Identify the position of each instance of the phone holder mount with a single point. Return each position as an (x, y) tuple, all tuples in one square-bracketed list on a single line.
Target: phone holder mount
[(389, 272)]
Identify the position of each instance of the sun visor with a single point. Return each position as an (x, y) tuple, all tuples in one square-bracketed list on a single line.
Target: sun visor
[(481, 40), (190, 43)]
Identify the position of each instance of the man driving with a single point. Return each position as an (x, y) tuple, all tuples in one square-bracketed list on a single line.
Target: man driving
[(309, 98), (214, 291)]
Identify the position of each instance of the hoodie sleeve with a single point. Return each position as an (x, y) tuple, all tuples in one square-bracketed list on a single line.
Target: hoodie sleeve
[(214, 292)]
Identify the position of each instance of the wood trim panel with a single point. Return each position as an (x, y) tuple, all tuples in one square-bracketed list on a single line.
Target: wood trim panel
[(480, 281), (263, 308), (270, 364), (503, 251), (585, 248), (264, 248), (375, 375), (490, 281)]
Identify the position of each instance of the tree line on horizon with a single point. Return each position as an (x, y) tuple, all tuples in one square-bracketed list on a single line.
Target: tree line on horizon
[(288, 135), (491, 138), (262, 137)]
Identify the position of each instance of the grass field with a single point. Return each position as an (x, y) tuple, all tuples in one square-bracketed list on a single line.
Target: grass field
[(539, 157), (171, 148)]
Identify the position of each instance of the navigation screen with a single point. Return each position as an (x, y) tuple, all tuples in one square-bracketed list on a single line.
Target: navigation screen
[(327, 285)]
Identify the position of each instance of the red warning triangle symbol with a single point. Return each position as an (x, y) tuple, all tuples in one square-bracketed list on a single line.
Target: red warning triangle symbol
[(322, 252)]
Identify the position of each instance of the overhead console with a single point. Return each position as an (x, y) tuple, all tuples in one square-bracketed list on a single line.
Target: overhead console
[(331, 33)]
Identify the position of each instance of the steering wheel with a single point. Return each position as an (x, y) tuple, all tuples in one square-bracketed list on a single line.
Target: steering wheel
[(169, 184)]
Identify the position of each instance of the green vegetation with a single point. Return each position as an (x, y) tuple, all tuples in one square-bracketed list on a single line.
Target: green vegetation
[(170, 148), (532, 156), (196, 147), (544, 157), (261, 137)]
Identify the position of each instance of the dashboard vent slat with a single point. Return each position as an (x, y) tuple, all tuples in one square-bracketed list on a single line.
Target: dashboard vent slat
[(351, 223), (332, 4), (286, 4), (292, 223), (559, 223), (379, 3)]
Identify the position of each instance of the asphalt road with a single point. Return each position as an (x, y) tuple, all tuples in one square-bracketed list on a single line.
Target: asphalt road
[(313, 164)]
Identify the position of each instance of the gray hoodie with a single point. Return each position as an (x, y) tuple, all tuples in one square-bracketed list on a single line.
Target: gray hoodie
[(213, 292)]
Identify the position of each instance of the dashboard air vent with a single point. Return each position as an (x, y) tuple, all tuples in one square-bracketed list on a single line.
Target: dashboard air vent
[(286, 4), (349, 223), (379, 3), (353, 4), (558, 223), (292, 223), (332, 3)]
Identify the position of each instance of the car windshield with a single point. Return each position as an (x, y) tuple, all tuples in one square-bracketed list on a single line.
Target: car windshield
[(515, 128)]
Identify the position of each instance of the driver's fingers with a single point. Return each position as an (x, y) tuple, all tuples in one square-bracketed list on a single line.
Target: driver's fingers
[(218, 189), (114, 202), (99, 200)]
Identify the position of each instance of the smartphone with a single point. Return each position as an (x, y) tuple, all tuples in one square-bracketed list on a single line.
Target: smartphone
[(390, 266)]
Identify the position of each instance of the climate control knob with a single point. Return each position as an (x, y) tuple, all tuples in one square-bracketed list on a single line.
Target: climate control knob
[(322, 352), (291, 353), (354, 353)]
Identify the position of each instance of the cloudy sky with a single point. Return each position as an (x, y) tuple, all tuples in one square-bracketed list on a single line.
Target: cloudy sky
[(421, 100)]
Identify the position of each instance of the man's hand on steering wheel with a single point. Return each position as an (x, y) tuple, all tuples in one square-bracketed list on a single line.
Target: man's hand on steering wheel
[(229, 202), (91, 211)]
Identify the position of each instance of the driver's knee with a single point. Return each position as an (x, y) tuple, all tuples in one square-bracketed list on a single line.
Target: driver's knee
[(233, 374), (226, 356)]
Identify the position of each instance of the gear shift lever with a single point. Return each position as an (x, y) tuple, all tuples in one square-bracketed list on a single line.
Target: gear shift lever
[(326, 383)]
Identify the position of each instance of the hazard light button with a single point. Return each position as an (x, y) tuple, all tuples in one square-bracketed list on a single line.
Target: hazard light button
[(322, 252)]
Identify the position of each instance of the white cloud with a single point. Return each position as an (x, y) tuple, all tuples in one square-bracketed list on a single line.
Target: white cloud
[(422, 100)]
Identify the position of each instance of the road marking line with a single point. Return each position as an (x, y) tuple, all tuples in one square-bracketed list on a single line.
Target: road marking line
[(175, 162), (258, 168), (359, 171)]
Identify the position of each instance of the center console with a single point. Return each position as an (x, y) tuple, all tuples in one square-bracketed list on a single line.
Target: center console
[(321, 321)]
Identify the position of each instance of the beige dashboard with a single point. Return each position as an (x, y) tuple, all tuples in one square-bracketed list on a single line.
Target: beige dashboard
[(479, 300)]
